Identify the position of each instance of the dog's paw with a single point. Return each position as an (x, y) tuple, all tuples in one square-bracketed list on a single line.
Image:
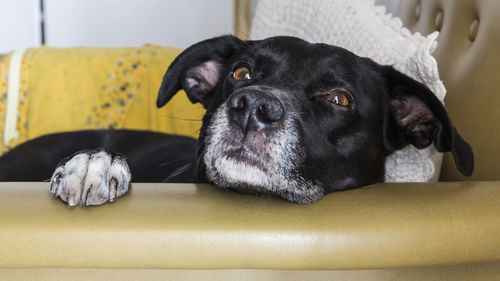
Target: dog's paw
[(91, 178)]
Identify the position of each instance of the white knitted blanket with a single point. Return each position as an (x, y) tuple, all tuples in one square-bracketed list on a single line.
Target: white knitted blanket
[(366, 30)]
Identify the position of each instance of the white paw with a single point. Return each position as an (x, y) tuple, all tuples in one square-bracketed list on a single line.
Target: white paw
[(91, 178)]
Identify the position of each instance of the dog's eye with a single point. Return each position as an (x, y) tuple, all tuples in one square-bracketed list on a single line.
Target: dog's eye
[(242, 73), (338, 97)]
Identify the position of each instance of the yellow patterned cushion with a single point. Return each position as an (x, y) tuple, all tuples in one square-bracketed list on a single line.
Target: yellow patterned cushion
[(94, 88)]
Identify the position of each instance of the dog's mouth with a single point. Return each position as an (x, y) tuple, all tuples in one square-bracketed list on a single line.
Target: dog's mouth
[(245, 155), (251, 149)]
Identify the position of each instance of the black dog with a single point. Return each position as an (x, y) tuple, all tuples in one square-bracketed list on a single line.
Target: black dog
[(284, 117)]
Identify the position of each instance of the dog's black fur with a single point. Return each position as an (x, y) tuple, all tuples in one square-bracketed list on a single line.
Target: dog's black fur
[(281, 121), (153, 157)]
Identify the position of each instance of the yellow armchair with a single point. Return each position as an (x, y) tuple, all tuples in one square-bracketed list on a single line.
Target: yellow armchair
[(404, 231)]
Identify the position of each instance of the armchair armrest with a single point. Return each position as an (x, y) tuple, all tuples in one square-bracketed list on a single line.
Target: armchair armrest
[(188, 226)]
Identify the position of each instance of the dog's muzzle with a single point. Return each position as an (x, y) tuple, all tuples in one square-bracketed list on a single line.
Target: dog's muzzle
[(252, 145), (254, 117)]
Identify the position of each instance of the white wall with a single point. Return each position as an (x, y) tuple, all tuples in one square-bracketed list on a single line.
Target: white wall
[(135, 22), (19, 24), (109, 23)]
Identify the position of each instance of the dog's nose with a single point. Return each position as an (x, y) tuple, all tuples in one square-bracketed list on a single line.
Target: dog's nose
[(254, 110)]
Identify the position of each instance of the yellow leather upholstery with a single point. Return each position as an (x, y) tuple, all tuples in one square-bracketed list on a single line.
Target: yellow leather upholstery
[(468, 57), (198, 227), (475, 272)]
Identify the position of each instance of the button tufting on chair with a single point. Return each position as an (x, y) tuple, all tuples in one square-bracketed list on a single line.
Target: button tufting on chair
[(438, 22), (473, 30), (417, 10)]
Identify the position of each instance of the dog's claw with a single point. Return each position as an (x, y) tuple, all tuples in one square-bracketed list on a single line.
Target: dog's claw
[(90, 178)]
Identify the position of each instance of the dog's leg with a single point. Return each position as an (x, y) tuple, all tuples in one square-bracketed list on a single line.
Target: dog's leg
[(91, 177)]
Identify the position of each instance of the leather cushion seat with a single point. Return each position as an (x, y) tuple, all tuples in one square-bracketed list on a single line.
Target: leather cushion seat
[(187, 226)]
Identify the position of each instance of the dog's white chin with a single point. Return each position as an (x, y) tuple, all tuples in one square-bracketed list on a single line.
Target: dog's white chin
[(231, 173), (235, 171)]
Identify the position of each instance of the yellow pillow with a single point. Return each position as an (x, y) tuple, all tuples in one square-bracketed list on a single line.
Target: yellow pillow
[(94, 88)]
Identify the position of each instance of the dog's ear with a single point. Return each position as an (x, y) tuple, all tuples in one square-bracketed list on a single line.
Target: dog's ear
[(417, 117), (198, 69)]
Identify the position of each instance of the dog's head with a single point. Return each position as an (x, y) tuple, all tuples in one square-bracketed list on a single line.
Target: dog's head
[(298, 120)]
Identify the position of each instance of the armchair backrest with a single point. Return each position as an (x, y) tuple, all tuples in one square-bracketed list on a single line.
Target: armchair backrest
[(468, 58)]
